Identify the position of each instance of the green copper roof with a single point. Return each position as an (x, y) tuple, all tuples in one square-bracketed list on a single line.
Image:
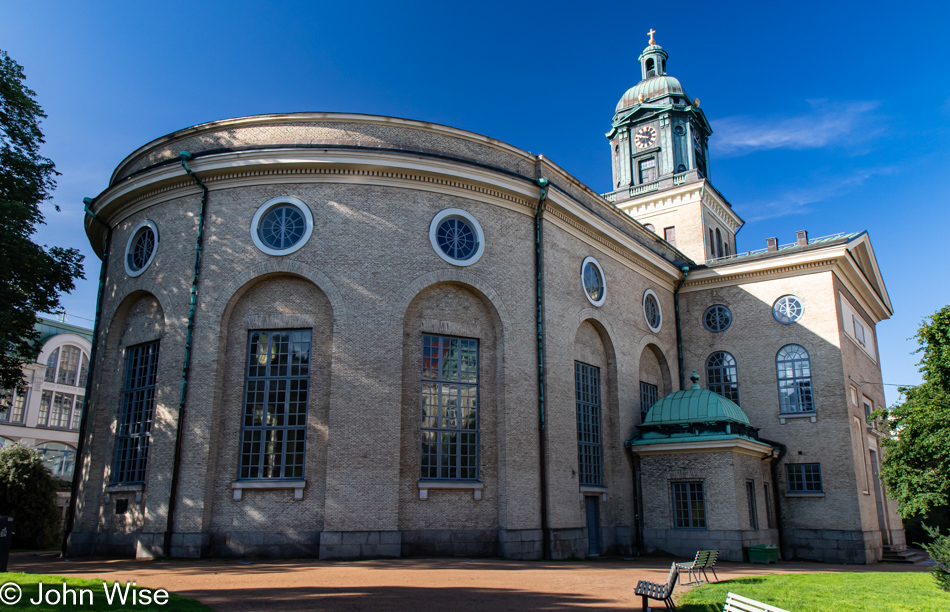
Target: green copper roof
[(695, 405), (654, 87)]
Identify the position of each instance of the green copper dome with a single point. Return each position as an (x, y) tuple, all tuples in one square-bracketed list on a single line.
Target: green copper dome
[(654, 87), (694, 405)]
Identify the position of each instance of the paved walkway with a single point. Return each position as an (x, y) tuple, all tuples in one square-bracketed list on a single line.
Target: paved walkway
[(419, 585)]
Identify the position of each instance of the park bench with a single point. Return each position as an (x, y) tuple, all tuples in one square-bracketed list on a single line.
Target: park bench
[(705, 559), (737, 603), (661, 592)]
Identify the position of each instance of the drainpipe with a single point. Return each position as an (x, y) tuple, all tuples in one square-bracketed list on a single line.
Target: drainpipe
[(782, 449), (679, 331), (542, 433), (179, 438), (93, 350)]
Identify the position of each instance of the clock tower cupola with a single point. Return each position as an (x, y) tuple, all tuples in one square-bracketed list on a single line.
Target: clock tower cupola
[(659, 141)]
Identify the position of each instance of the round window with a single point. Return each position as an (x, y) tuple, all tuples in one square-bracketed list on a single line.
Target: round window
[(281, 225), (592, 279), (787, 309), (140, 250), (717, 318), (651, 310), (457, 237)]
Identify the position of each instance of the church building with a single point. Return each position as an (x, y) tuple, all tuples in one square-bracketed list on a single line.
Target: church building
[(338, 335)]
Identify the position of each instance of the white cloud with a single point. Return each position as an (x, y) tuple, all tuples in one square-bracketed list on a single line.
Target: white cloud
[(798, 201), (826, 124)]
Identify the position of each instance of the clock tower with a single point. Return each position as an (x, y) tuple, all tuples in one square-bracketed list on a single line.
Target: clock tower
[(659, 148)]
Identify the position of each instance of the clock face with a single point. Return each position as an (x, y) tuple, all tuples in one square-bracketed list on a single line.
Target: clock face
[(645, 137)]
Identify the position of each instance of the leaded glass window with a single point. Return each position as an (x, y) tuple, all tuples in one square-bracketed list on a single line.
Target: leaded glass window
[(722, 375), (787, 309), (276, 395), (457, 238), (136, 414), (648, 397), (717, 318), (793, 366), (803, 477), (143, 245), (282, 227), (449, 417), (587, 393), (651, 310), (592, 278), (689, 505)]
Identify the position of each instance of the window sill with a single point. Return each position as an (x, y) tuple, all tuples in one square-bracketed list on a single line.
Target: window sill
[(592, 490), (465, 485), (114, 489), (797, 415), (238, 486), (804, 493)]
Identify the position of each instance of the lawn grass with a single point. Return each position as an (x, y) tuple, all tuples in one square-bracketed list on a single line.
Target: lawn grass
[(841, 592), (29, 584)]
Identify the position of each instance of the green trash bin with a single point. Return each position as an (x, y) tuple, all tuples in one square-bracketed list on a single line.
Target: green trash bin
[(762, 553)]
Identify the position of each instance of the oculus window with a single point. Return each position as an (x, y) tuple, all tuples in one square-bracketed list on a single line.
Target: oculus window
[(281, 225), (803, 477), (717, 318), (136, 414), (449, 416), (141, 247), (592, 279), (276, 394), (651, 310), (689, 505), (587, 395), (722, 375), (457, 237), (793, 366), (787, 309)]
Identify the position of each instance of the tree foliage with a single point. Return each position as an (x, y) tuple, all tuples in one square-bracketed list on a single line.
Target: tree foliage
[(31, 276), (916, 468), (28, 494), (916, 460)]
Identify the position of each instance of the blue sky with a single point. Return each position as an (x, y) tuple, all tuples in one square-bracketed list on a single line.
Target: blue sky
[(827, 116)]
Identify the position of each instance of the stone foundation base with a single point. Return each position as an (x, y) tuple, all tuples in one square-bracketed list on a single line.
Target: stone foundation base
[(685, 542), (355, 544), (450, 542), (833, 546)]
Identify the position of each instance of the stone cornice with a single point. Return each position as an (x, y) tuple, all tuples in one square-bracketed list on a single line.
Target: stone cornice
[(739, 445), (686, 194)]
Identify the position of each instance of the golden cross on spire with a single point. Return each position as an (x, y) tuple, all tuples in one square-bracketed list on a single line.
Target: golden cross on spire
[(651, 33)]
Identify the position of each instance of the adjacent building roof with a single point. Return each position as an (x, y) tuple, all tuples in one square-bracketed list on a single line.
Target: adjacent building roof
[(50, 327)]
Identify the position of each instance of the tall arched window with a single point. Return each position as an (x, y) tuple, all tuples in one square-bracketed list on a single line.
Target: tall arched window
[(68, 365), (59, 458), (794, 379), (722, 375), (718, 243)]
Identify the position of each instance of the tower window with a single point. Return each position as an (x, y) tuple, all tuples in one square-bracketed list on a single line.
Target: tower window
[(718, 243), (651, 68), (669, 234), (712, 244), (648, 170)]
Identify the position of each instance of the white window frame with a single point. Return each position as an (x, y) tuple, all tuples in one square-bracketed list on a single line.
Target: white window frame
[(603, 279), (434, 229), (131, 242), (265, 208)]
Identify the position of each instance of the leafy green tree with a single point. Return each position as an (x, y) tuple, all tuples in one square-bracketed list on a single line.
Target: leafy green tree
[(28, 494), (31, 276), (916, 458)]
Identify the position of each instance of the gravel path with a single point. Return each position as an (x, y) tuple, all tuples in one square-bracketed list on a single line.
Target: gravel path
[(416, 585)]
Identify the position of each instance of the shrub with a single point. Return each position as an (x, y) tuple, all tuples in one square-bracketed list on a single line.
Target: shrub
[(28, 494), (939, 551)]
